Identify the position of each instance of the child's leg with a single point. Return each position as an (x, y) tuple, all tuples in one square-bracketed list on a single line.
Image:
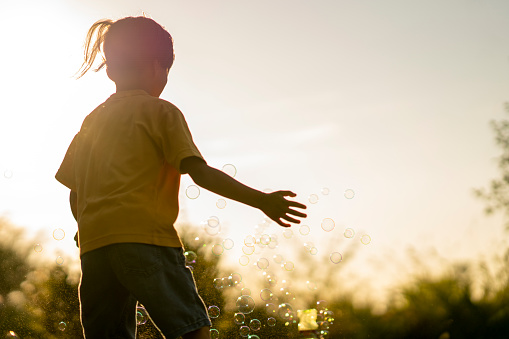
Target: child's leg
[(158, 278), (108, 310)]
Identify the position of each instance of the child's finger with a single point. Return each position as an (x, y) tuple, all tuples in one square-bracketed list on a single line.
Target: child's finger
[(281, 223), (297, 204), (290, 219), (297, 213), (287, 193)]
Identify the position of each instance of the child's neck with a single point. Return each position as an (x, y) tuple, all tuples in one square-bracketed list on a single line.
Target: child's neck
[(150, 79), (131, 87)]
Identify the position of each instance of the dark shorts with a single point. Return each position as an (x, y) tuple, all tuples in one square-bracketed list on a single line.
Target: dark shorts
[(115, 277)]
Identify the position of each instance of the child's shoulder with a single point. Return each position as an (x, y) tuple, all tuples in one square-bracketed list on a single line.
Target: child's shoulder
[(156, 102), (134, 98), (137, 103)]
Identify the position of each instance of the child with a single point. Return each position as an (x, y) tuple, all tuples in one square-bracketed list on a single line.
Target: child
[(123, 169)]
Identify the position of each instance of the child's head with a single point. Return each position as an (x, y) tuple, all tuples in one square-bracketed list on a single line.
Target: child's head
[(128, 46)]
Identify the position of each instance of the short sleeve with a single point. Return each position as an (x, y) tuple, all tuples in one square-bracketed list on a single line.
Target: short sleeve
[(175, 138), (65, 174)]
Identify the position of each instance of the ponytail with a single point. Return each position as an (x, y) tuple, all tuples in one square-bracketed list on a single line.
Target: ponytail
[(93, 45)]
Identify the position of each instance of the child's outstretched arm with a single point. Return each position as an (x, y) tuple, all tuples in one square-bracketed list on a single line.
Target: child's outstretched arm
[(274, 205)]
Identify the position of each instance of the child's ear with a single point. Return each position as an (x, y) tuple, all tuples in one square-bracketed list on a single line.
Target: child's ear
[(156, 66)]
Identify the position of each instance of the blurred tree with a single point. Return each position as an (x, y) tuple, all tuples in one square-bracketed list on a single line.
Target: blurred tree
[(497, 194), (43, 302), (14, 268), (35, 302), (13, 263), (52, 303)]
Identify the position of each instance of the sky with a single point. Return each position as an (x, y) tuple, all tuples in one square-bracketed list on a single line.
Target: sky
[(391, 99)]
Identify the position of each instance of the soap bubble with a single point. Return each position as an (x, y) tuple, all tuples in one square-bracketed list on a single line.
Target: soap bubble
[(271, 321), (304, 230), (266, 294), (213, 221), (249, 241), (11, 334), (38, 248), (349, 233), (324, 334), (309, 245), (273, 244), (62, 326), (329, 316), (221, 203), (217, 249), (255, 324), (212, 231), (313, 250), (271, 280), (321, 305), (289, 266), (214, 311), (262, 263), (287, 233), (365, 239), (244, 260), (285, 311), (214, 334), (286, 283), (278, 258), (245, 304), (313, 198), (227, 281), (244, 331), (236, 278), (248, 250), (271, 308), (253, 336), (265, 239), (286, 295), (328, 224), (218, 283), (325, 191), (230, 170), (245, 291), (349, 193), (58, 234), (192, 191), (228, 244), (311, 285), (336, 257), (212, 227), (190, 257), (239, 318), (141, 315), (7, 175), (59, 260)]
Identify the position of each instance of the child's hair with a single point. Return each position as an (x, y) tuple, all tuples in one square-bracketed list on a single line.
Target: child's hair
[(127, 44)]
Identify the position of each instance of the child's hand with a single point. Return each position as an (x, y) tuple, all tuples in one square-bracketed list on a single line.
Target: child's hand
[(277, 207)]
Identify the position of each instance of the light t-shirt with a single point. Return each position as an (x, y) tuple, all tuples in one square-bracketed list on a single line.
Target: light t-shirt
[(124, 165)]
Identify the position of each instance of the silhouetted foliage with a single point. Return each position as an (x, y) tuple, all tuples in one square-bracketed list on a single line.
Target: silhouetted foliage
[(496, 195), (43, 303)]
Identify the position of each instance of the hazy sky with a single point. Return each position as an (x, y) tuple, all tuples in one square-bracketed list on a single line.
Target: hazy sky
[(391, 99)]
